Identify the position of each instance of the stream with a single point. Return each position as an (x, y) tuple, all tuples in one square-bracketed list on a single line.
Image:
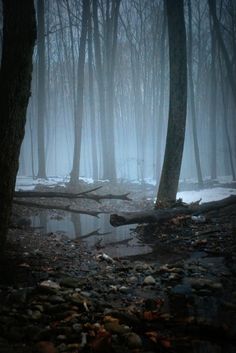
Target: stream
[(96, 232)]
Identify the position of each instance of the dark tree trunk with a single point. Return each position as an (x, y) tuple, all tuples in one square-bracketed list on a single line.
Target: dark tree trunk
[(74, 175), (178, 100), (161, 97), (19, 34), (41, 90), (192, 98), (92, 101), (100, 81), (219, 38), (213, 104)]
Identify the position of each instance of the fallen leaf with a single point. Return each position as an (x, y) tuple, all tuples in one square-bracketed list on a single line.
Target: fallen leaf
[(165, 343), (150, 315), (46, 347)]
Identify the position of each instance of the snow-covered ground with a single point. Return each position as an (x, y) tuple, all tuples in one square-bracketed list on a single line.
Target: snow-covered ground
[(206, 195), (216, 193)]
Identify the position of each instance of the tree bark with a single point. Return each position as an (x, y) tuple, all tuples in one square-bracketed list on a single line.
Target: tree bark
[(160, 215), (192, 98), (19, 34), (41, 90), (229, 68), (178, 100), (74, 175)]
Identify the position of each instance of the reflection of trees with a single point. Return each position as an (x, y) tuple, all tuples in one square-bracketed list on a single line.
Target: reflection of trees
[(75, 219), (43, 221)]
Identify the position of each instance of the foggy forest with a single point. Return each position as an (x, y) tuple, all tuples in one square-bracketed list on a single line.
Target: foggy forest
[(117, 176), (109, 88)]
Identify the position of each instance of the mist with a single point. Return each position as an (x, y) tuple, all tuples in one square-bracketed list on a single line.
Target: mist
[(118, 119)]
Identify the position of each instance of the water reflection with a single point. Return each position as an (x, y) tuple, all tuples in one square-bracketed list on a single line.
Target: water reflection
[(120, 241)]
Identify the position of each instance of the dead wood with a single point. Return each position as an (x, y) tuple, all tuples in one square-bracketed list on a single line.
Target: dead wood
[(66, 208), (158, 215), (82, 195)]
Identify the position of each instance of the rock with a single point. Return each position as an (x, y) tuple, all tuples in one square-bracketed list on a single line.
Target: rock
[(123, 289), (132, 279), (133, 340), (149, 280), (116, 328), (77, 328), (204, 282), (55, 299), (36, 315), (182, 289), (69, 282), (49, 286)]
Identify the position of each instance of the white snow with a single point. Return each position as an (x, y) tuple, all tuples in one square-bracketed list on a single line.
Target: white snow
[(206, 195)]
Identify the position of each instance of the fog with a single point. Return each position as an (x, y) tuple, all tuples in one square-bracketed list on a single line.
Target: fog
[(106, 117)]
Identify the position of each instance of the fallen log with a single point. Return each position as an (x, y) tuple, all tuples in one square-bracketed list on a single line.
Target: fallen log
[(66, 208), (82, 195), (159, 215)]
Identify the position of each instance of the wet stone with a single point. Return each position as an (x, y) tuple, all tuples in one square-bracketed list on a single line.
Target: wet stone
[(69, 282), (133, 340), (149, 280), (182, 289)]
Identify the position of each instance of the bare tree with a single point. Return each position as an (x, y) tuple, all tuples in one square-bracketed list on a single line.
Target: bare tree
[(178, 100), (74, 175), (19, 34), (192, 96), (41, 89)]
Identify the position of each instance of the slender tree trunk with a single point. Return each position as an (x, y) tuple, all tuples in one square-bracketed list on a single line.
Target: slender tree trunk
[(74, 175), (213, 103), (192, 98), (100, 81), (219, 38), (19, 34), (91, 101), (110, 59), (162, 96), (225, 121), (41, 90), (178, 100)]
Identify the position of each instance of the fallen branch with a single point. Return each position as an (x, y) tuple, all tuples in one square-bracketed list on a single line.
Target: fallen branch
[(158, 215), (67, 195), (56, 207)]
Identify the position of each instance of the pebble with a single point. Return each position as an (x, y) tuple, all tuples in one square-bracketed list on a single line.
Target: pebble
[(133, 340), (149, 280)]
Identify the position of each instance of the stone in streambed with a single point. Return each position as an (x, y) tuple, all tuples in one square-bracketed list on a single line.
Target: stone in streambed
[(69, 282), (149, 280), (133, 340)]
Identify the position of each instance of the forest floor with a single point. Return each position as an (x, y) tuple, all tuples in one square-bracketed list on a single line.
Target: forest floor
[(61, 295)]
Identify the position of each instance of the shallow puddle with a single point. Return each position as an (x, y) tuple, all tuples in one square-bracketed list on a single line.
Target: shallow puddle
[(96, 232)]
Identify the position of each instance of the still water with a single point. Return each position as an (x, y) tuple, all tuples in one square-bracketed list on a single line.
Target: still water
[(95, 231)]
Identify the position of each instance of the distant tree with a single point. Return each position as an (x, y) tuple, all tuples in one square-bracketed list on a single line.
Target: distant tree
[(222, 46), (192, 96), (74, 175), (41, 89), (19, 34), (178, 100)]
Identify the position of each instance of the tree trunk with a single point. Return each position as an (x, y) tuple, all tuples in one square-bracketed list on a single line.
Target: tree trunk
[(74, 175), (192, 98), (219, 38), (160, 215), (91, 101), (19, 34), (41, 90), (178, 100)]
